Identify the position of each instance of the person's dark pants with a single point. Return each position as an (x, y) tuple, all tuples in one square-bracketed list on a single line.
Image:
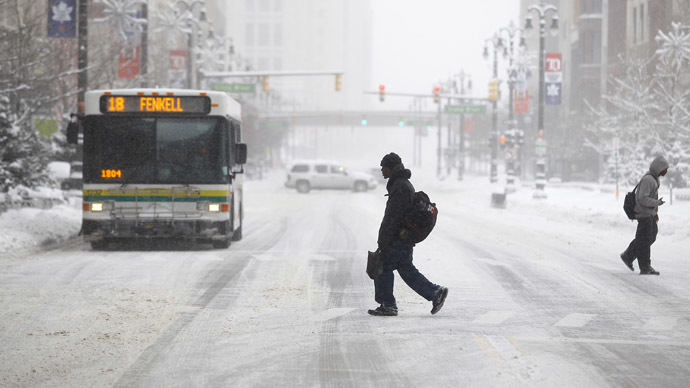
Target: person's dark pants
[(640, 247), (399, 257)]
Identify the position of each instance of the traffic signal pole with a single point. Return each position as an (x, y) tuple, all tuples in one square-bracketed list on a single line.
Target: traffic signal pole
[(82, 59)]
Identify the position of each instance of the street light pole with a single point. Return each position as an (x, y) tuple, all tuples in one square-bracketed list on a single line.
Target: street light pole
[(493, 137), (189, 7), (509, 52), (542, 9), (461, 146)]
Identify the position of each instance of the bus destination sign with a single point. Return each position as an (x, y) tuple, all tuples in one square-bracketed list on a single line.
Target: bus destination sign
[(155, 104)]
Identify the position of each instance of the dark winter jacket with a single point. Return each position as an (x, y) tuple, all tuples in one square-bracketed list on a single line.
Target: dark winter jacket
[(400, 199), (647, 197)]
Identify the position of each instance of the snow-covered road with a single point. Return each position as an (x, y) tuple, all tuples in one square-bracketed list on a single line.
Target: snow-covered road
[(538, 297)]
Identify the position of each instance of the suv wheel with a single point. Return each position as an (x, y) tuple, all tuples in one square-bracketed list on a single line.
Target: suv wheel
[(303, 187), (361, 186)]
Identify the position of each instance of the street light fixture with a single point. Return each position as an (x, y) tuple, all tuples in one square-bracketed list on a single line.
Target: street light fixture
[(542, 10)]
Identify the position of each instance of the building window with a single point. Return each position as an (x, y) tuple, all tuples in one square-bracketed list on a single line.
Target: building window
[(249, 34), (249, 5), (264, 6), (277, 35), (596, 6), (263, 35), (277, 64), (278, 6)]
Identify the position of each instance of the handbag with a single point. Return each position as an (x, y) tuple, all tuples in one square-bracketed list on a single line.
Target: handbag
[(374, 264)]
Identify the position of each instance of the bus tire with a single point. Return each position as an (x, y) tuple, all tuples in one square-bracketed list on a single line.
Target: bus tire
[(222, 244), (237, 234), (99, 245)]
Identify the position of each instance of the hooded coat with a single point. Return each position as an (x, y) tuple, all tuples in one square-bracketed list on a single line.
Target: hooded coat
[(647, 196), (400, 199)]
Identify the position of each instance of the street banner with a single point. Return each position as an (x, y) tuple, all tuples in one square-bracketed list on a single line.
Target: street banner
[(553, 79), (128, 62), (521, 102), (468, 125), (62, 18), (177, 72)]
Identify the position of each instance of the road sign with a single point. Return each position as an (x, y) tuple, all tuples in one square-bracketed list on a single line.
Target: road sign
[(234, 88), (465, 109)]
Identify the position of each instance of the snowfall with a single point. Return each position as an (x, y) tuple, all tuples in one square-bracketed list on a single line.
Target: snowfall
[(538, 296)]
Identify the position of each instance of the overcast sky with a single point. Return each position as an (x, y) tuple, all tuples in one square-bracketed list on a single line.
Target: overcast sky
[(418, 43)]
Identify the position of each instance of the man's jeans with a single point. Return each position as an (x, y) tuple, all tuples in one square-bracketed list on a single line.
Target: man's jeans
[(399, 257), (639, 248)]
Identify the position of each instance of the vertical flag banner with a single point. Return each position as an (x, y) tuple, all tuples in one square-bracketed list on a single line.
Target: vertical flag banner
[(553, 78), (177, 72), (62, 18), (521, 102), (128, 63)]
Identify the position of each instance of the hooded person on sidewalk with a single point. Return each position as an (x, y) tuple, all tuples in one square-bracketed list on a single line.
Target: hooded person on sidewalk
[(647, 204)]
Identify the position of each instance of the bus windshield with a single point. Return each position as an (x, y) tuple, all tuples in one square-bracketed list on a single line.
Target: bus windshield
[(125, 149)]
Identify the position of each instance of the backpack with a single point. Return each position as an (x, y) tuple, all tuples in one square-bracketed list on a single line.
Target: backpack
[(629, 202), (419, 220)]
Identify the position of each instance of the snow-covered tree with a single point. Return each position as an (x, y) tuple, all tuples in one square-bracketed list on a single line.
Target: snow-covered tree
[(648, 110)]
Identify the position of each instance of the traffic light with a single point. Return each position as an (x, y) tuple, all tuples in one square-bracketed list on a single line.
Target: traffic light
[(382, 92), (437, 94), (493, 90), (338, 82), (265, 86), (503, 141)]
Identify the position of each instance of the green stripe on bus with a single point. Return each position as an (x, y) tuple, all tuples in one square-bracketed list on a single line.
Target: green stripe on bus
[(118, 198)]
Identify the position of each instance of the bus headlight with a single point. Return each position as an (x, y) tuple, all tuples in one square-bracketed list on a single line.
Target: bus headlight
[(214, 207), (97, 207)]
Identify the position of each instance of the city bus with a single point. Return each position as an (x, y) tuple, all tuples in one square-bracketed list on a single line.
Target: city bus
[(161, 163)]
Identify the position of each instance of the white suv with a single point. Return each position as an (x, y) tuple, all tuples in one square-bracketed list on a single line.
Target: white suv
[(326, 174)]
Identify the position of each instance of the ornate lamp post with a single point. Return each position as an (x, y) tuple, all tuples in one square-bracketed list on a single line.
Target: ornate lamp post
[(493, 137), (542, 10), (462, 85), (188, 6), (510, 33)]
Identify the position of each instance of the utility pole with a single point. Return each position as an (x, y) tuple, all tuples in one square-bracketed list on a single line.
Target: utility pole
[(493, 137), (542, 9), (83, 50), (144, 46)]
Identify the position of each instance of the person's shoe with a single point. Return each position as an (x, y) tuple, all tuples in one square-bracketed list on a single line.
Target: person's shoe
[(440, 298), (649, 271), (383, 311), (628, 263)]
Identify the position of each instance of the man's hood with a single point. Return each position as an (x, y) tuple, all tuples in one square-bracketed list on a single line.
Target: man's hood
[(658, 165)]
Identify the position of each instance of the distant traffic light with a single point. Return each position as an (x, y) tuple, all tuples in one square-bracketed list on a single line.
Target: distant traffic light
[(401, 123), (364, 122), (382, 92), (437, 94), (503, 140), (265, 86), (338, 82), (493, 90)]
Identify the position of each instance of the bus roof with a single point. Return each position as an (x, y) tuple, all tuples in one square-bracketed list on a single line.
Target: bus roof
[(221, 103)]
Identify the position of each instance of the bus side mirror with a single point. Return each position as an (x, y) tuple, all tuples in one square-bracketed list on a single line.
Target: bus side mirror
[(241, 153), (73, 132)]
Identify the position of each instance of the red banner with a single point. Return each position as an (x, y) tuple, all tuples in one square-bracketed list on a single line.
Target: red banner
[(521, 102), (468, 125), (129, 63)]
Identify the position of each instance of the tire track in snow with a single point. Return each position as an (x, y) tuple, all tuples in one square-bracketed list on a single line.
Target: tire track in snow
[(230, 269)]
